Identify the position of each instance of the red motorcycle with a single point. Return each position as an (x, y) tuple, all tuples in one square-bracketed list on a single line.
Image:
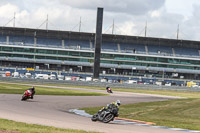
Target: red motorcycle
[(27, 95), (109, 90)]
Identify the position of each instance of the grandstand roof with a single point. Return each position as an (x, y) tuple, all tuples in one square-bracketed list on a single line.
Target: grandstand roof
[(105, 37)]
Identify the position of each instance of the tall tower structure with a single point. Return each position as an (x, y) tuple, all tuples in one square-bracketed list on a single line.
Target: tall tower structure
[(98, 42)]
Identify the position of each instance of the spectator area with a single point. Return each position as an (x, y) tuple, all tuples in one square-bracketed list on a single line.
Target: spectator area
[(106, 46)]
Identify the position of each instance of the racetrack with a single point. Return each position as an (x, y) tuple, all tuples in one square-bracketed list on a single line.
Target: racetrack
[(53, 111)]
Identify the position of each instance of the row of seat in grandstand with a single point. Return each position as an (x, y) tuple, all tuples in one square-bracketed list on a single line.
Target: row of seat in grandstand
[(106, 46)]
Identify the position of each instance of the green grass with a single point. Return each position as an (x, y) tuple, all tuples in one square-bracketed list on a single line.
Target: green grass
[(19, 127), (181, 113), (29, 128), (186, 94), (19, 89)]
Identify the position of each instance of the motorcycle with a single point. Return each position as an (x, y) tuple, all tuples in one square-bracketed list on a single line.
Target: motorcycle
[(109, 90), (105, 115), (27, 95)]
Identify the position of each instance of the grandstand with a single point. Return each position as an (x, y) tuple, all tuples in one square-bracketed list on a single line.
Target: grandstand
[(122, 55)]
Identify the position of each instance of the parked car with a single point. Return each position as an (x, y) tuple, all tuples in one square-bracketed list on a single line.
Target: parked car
[(88, 79), (16, 74), (68, 77), (28, 75), (168, 84), (52, 76), (61, 77), (131, 82)]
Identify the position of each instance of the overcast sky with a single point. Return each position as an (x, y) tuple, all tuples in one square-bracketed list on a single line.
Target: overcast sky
[(130, 16)]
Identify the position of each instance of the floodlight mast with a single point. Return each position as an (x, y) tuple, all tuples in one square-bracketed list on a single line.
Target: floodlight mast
[(177, 35), (47, 22), (145, 33), (113, 26), (14, 20), (80, 25)]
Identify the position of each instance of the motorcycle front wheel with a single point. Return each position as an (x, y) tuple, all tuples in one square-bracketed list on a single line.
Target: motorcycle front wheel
[(94, 117), (24, 98)]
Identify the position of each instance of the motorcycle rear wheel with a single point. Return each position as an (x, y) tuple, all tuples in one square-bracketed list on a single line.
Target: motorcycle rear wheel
[(108, 118)]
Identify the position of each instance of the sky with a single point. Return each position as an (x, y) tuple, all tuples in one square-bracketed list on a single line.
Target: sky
[(162, 17)]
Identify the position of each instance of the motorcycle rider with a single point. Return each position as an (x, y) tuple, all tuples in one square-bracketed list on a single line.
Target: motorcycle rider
[(32, 91), (108, 89), (115, 104)]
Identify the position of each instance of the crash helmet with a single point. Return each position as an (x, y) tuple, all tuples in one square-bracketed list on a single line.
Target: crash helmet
[(33, 88), (107, 86), (118, 102)]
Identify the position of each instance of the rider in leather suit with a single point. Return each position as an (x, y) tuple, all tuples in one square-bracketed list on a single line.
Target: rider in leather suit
[(32, 91), (115, 104)]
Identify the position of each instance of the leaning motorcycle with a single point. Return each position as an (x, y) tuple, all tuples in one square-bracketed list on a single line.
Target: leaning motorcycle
[(27, 94), (109, 90), (105, 115)]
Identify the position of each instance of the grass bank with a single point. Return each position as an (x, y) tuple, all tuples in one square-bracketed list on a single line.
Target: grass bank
[(186, 94), (19, 127), (181, 113), (19, 89)]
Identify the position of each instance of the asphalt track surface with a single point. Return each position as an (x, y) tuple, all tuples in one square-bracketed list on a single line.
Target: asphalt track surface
[(54, 111)]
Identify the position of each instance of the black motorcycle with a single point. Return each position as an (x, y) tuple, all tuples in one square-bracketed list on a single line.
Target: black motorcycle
[(105, 115)]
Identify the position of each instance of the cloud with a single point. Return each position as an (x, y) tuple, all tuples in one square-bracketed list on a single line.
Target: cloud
[(190, 28), (7, 10), (129, 16), (155, 14), (127, 28), (135, 7), (7, 13)]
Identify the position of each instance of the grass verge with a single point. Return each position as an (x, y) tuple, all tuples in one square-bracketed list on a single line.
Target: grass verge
[(181, 113), (19, 89), (186, 94), (19, 127)]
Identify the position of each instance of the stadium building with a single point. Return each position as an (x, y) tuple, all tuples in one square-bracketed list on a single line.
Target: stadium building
[(120, 54)]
